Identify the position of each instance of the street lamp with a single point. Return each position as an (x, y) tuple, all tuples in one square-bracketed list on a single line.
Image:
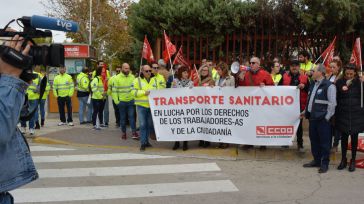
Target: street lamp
[(90, 27)]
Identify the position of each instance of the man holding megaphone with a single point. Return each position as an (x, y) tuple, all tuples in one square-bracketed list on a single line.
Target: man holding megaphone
[(255, 76)]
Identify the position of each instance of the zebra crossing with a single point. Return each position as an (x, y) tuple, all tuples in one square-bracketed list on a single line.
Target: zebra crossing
[(79, 175)]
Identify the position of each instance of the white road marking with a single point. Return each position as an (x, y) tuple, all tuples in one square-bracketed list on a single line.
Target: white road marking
[(63, 194), (95, 157), (128, 170)]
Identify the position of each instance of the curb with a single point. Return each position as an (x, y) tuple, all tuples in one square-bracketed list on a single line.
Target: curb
[(226, 154)]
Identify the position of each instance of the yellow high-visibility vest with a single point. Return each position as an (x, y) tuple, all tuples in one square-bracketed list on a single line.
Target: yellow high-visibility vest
[(140, 86), (34, 88), (97, 88), (121, 88), (63, 85), (83, 82)]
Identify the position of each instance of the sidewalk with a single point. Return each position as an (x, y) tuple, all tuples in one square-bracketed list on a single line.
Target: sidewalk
[(83, 135)]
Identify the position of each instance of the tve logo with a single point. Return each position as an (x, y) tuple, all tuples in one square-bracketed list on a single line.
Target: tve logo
[(274, 130), (64, 24)]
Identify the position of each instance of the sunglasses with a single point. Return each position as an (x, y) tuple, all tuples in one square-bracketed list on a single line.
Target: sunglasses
[(253, 62), (117, 71), (155, 67), (148, 71)]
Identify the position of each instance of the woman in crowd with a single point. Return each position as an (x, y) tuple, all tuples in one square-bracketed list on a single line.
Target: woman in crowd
[(225, 80), (275, 70), (205, 79), (205, 73), (182, 80), (98, 98), (349, 114), (335, 71), (333, 76)]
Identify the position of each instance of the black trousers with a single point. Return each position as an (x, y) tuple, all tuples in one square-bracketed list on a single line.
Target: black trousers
[(344, 144), (116, 112), (98, 110), (62, 102), (300, 135)]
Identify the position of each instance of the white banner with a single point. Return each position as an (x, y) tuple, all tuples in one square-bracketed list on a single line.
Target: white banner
[(243, 115)]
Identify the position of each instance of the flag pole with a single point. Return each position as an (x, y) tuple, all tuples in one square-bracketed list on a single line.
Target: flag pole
[(140, 66), (361, 75), (170, 60), (317, 59)]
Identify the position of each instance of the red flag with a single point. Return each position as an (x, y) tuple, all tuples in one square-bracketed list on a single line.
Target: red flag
[(179, 59), (169, 50), (328, 54), (104, 76), (147, 52), (195, 77), (356, 54)]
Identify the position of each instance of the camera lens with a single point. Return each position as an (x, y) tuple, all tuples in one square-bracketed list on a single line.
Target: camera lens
[(52, 55)]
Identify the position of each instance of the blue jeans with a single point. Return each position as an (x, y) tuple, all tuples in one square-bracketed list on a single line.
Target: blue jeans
[(145, 124), (32, 104), (83, 107), (106, 111), (127, 108), (42, 109), (320, 137), (6, 198)]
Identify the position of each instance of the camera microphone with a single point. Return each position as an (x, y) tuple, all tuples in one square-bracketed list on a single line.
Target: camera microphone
[(53, 24)]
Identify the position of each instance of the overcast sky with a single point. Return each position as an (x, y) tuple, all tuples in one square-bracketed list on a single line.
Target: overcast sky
[(13, 9)]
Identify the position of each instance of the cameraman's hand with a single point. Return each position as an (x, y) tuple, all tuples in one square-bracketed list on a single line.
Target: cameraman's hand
[(15, 43)]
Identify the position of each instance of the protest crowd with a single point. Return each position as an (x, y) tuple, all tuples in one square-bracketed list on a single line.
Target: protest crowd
[(330, 97)]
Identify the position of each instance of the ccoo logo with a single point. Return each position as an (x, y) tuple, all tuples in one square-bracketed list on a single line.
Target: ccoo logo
[(274, 130)]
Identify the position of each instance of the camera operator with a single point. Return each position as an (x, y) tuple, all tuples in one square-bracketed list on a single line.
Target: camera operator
[(17, 167)]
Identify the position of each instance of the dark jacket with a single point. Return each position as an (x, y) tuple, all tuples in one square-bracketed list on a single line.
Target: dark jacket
[(349, 115), (320, 101)]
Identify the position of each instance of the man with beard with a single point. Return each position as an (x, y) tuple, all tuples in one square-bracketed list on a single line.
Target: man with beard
[(294, 78), (305, 63), (123, 97)]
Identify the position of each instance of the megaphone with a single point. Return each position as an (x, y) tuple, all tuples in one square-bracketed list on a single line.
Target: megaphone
[(235, 67)]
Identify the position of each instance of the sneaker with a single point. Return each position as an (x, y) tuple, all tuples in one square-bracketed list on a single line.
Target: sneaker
[(103, 125), (70, 124), (31, 131), (61, 123), (123, 136), (22, 130), (96, 128), (42, 123), (135, 136), (142, 148)]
